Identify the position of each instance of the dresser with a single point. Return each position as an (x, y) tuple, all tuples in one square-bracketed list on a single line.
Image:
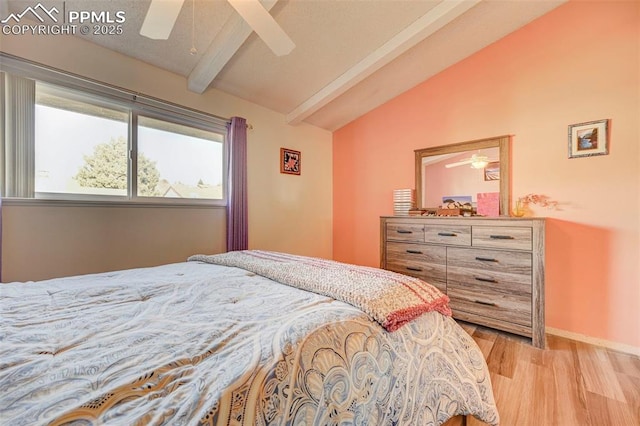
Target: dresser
[(492, 269)]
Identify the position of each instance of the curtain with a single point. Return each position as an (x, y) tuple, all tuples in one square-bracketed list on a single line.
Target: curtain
[(237, 220)]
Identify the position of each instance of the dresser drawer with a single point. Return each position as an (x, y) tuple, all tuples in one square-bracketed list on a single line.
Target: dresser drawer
[(490, 283), (405, 232), (483, 261), (457, 235), (511, 237), (418, 260), (505, 308)]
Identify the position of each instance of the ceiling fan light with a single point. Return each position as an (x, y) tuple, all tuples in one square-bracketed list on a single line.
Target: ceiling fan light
[(479, 164)]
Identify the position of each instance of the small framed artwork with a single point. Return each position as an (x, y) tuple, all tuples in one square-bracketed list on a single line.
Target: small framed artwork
[(589, 139), (290, 161), (492, 171), (457, 202)]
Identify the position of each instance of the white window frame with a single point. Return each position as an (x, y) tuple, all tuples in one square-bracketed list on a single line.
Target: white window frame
[(136, 104)]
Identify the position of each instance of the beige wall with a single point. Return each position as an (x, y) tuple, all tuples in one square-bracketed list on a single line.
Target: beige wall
[(286, 212), (52, 241)]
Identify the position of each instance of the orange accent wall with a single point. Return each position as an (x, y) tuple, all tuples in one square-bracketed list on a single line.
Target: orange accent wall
[(578, 63)]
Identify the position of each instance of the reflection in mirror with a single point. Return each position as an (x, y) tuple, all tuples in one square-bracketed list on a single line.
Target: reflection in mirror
[(456, 175)]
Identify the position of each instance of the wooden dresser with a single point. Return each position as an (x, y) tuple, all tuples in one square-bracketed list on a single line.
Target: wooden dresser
[(492, 269)]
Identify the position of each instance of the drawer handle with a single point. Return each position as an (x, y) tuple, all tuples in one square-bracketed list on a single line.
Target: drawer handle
[(447, 234), (411, 268), (485, 303), (486, 280), (404, 231), (502, 237), (485, 259), (414, 251)]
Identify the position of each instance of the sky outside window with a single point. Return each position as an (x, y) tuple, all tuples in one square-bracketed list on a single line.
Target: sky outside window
[(62, 139), (189, 160)]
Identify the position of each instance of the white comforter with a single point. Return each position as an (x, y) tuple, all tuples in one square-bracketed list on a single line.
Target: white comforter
[(195, 343)]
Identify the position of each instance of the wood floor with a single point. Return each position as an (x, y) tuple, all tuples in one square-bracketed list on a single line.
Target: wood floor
[(569, 383)]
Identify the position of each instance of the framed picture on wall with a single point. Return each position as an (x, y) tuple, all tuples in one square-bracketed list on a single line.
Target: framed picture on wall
[(290, 161), (589, 139), (492, 171)]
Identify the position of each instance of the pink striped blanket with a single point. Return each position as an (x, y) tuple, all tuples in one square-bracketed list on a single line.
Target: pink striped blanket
[(390, 298)]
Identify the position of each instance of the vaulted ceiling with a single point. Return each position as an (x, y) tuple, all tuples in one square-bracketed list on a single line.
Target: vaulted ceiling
[(350, 56)]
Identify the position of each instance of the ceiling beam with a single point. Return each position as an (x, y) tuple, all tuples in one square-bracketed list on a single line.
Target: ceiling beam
[(436, 18), (226, 43)]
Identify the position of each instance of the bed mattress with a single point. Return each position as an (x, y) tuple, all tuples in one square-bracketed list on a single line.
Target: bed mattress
[(196, 343)]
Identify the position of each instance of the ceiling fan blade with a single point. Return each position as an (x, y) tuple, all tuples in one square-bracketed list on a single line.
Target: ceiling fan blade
[(458, 163), (261, 21), (160, 18)]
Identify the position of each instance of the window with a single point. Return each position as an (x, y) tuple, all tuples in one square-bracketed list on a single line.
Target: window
[(80, 147), (69, 138), (177, 161)]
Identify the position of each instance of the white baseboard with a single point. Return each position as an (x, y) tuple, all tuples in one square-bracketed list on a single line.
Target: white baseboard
[(620, 347)]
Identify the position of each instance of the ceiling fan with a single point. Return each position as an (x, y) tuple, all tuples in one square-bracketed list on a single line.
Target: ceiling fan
[(477, 161), (162, 15)]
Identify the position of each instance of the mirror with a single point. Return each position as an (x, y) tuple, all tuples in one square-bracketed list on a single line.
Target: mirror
[(462, 171)]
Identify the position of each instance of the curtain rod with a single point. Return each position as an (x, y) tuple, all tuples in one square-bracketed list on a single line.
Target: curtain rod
[(128, 92)]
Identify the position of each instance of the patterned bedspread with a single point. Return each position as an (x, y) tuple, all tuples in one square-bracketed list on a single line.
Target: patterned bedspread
[(200, 344), (390, 298)]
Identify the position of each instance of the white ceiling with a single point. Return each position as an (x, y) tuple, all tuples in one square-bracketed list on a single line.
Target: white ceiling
[(350, 56)]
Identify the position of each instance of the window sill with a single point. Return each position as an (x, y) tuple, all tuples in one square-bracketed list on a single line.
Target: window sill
[(36, 202)]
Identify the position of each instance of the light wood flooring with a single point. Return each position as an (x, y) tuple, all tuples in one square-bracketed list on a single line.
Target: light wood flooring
[(569, 383)]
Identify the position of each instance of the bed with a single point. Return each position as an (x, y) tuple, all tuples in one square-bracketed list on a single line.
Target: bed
[(239, 338)]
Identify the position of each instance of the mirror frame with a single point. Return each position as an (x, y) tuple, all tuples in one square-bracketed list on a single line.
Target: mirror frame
[(501, 142)]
